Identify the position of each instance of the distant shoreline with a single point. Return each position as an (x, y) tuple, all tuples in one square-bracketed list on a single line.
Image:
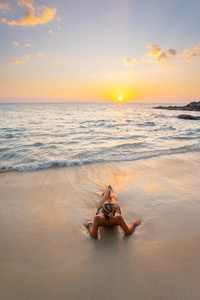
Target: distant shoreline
[(192, 106)]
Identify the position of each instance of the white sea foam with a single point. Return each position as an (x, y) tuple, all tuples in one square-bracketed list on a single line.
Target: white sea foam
[(50, 163), (76, 134)]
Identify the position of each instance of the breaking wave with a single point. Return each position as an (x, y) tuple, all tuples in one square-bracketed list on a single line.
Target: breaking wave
[(51, 163)]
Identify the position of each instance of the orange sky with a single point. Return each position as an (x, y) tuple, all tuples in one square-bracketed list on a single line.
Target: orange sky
[(147, 52)]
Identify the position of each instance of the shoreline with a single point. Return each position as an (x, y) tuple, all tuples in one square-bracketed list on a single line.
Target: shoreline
[(61, 163), (192, 106), (46, 253)]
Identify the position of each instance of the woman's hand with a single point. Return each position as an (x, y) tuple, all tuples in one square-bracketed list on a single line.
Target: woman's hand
[(87, 224), (129, 230), (93, 227)]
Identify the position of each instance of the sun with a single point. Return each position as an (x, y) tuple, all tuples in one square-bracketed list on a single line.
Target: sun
[(120, 98)]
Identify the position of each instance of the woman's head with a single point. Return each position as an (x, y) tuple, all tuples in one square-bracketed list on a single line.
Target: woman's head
[(108, 210)]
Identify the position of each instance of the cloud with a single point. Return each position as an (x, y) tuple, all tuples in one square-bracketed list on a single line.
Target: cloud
[(162, 58), (41, 54), (58, 19), (43, 15), (191, 56), (25, 57), (27, 3), (130, 61), (5, 6), (16, 62), (21, 60), (156, 4), (25, 45), (144, 59), (50, 31), (172, 52), (192, 53), (159, 54), (156, 51), (197, 47)]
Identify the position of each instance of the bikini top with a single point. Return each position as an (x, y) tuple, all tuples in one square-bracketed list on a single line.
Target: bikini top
[(100, 211)]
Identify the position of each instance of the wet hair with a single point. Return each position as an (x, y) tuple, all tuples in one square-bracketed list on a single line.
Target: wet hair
[(108, 210)]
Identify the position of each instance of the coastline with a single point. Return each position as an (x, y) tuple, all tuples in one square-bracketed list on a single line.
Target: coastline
[(192, 106), (46, 253)]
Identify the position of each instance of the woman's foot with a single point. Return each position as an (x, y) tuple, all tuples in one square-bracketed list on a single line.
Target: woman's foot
[(108, 189), (137, 222)]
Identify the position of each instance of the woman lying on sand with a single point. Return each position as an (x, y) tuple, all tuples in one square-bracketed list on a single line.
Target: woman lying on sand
[(109, 215)]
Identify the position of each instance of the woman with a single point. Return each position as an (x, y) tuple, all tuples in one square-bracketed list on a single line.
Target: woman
[(109, 215)]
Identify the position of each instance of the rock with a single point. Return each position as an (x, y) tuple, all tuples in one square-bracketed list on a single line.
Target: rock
[(192, 106), (188, 117)]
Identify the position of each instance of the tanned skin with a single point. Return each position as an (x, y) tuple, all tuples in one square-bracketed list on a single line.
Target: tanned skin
[(117, 220)]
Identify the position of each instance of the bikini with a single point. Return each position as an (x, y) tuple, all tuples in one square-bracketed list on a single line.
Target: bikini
[(100, 211)]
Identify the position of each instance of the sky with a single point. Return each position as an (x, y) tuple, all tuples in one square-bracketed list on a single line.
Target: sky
[(92, 50)]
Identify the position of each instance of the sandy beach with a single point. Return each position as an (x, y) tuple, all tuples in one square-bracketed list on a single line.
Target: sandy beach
[(46, 252), (96, 94)]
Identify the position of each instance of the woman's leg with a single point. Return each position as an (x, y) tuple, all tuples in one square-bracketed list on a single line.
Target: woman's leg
[(116, 204), (106, 197)]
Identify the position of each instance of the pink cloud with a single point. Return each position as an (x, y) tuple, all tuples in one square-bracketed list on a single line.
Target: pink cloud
[(16, 62), (25, 45), (41, 54), (197, 47), (172, 52), (5, 6), (27, 3), (192, 53), (158, 54), (162, 58), (25, 57), (156, 51), (130, 61), (43, 15)]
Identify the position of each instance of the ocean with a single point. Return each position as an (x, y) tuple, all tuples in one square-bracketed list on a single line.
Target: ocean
[(40, 136), (149, 157)]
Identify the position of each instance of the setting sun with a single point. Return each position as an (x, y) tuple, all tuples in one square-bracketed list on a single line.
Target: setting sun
[(120, 98)]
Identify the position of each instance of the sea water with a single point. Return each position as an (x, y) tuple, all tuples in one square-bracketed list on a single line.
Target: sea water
[(38, 136)]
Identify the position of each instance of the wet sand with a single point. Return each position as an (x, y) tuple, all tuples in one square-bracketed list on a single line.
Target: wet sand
[(46, 253)]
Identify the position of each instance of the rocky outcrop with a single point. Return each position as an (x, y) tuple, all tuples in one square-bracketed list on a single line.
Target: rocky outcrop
[(192, 106), (188, 117)]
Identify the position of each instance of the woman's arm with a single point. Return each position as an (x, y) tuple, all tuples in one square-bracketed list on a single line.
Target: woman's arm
[(93, 227), (128, 230)]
